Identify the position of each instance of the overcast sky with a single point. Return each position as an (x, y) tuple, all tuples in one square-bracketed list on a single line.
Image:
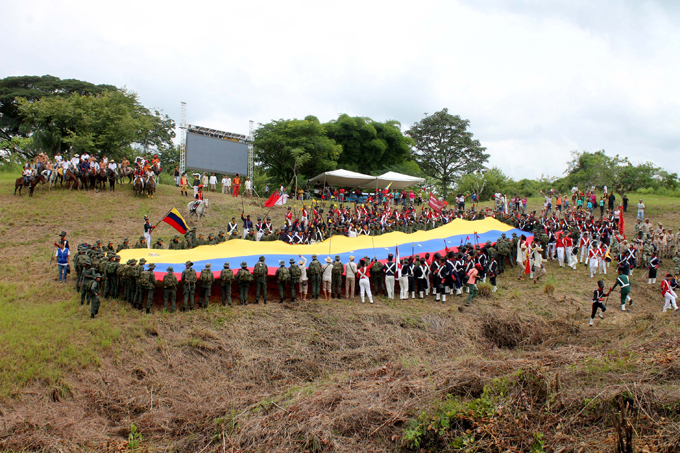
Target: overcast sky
[(536, 78)]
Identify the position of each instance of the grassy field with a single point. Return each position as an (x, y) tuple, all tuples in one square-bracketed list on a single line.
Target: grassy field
[(519, 370)]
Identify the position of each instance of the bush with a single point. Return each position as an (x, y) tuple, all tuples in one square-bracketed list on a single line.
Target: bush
[(484, 290)]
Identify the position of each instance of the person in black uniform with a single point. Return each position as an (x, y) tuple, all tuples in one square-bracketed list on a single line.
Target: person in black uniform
[(598, 296)]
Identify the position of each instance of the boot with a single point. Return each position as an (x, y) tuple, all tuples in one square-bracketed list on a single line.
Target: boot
[(623, 307), (443, 298), (591, 322), (437, 298), (148, 311), (281, 301), (92, 316), (495, 288), (649, 281), (413, 294), (420, 294), (654, 280)]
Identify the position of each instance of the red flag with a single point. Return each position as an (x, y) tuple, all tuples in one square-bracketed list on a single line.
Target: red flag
[(271, 201), (435, 204), (622, 222), (398, 264)]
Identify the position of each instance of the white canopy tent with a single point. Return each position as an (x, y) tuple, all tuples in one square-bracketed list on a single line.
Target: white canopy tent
[(399, 181), (344, 178)]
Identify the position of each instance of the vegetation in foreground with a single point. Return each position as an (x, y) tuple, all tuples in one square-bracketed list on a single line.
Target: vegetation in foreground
[(520, 370)]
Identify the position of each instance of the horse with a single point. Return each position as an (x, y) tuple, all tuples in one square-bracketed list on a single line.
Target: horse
[(70, 179), (138, 186), (31, 184), (150, 186), (100, 178), (123, 172), (111, 175), (156, 169), (200, 210)]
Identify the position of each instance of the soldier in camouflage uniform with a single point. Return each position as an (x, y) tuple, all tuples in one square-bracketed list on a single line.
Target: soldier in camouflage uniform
[(244, 278), (93, 295), (158, 245), (128, 276), (221, 238), (206, 279), (169, 289), (189, 285), (295, 274), (109, 275), (150, 284), (282, 276), (314, 273), (260, 273), (647, 249), (137, 281), (141, 244), (78, 261), (124, 246), (226, 278), (211, 239), (377, 278), (676, 262), (336, 275), (175, 244), (86, 279)]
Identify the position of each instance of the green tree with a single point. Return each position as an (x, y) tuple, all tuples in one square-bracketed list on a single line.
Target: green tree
[(33, 88), (276, 141), (104, 124), (369, 146), (445, 149)]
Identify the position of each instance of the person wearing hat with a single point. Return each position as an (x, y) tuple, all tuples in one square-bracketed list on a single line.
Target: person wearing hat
[(226, 278), (364, 284), (93, 295), (244, 277), (260, 272), (304, 278), (282, 276), (669, 294), (149, 281), (124, 246), (314, 271), (640, 210), (295, 274), (175, 244), (350, 278), (109, 275), (390, 270), (189, 279), (159, 244), (327, 277), (336, 277), (538, 267), (206, 280), (594, 258), (86, 280), (148, 228), (220, 237), (115, 278), (138, 298), (624, 283), (128, 280), (472, 276), (64, 241), (169, 289), (141, 243), (201, 240), (377, 277)]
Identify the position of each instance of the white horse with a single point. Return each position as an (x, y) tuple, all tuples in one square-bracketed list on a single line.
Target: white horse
[(199, 212)]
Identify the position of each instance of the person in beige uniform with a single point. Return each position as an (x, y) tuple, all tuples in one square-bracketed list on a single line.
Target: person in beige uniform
[(350, 278)]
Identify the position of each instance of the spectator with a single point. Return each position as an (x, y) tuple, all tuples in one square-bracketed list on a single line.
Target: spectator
[(225, 185), (249, 187), (176, 175), (213, 182), (62, 261)]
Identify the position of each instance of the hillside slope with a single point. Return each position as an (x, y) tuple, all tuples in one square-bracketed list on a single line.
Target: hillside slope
[(517, 370)]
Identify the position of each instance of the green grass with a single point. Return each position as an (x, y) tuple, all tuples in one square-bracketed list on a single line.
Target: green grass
[(42, 340)]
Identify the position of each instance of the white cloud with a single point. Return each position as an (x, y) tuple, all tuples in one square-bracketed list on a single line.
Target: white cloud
[(536, 79)]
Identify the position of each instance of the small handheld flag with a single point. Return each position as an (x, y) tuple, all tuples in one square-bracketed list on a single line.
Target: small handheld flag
[(175, 220)]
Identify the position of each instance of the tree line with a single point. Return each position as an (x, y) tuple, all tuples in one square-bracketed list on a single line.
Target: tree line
[(47, 114)]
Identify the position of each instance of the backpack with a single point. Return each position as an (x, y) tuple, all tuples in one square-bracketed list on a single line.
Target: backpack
[(260, 269), (337, 268), (314, 268), (284, 274), (206, 276), (189, 277), (144, 279), (120, 270), (376, 267), (295, 271), (226, 276), (111, 268), (170, 281), (244, 276)]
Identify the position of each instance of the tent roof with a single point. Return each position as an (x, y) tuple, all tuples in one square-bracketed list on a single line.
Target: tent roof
[(343, 178), (399, 181)]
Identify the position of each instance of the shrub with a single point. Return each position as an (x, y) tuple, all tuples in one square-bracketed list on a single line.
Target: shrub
[(484, 290)]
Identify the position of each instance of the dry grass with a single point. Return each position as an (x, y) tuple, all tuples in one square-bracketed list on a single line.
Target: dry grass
[(339, 376)]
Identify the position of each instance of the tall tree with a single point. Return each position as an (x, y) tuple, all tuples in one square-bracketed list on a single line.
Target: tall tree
[(445, 149), (369, 146), (33, 88), (280, 144), (106, 124)]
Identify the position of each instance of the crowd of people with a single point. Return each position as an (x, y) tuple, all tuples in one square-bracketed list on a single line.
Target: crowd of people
[(570, 236)]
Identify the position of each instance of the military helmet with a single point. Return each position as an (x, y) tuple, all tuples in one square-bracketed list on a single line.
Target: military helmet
[(142, 261), (169, 269), (189, 264), (226, 265), (244, 264), (262, 258)]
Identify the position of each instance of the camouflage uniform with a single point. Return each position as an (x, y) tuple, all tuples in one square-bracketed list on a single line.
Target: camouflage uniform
[(169, 289), (189, 285)]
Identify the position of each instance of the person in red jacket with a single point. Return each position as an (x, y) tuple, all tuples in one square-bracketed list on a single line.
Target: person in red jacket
[(668, 294), (560, 248)]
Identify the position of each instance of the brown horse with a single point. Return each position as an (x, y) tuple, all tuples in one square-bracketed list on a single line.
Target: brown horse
[(31, 184), (126, 171), (151, 186), (138, 187), (71, 180)]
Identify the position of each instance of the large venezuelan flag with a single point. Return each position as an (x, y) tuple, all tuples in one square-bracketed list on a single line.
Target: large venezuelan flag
[(236, 251)]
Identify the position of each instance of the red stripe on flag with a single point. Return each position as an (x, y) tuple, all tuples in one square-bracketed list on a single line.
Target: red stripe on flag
[(175, 225)]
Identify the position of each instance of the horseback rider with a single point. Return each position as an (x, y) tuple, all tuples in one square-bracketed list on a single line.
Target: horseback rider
[(199, 198), (27, 173)]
